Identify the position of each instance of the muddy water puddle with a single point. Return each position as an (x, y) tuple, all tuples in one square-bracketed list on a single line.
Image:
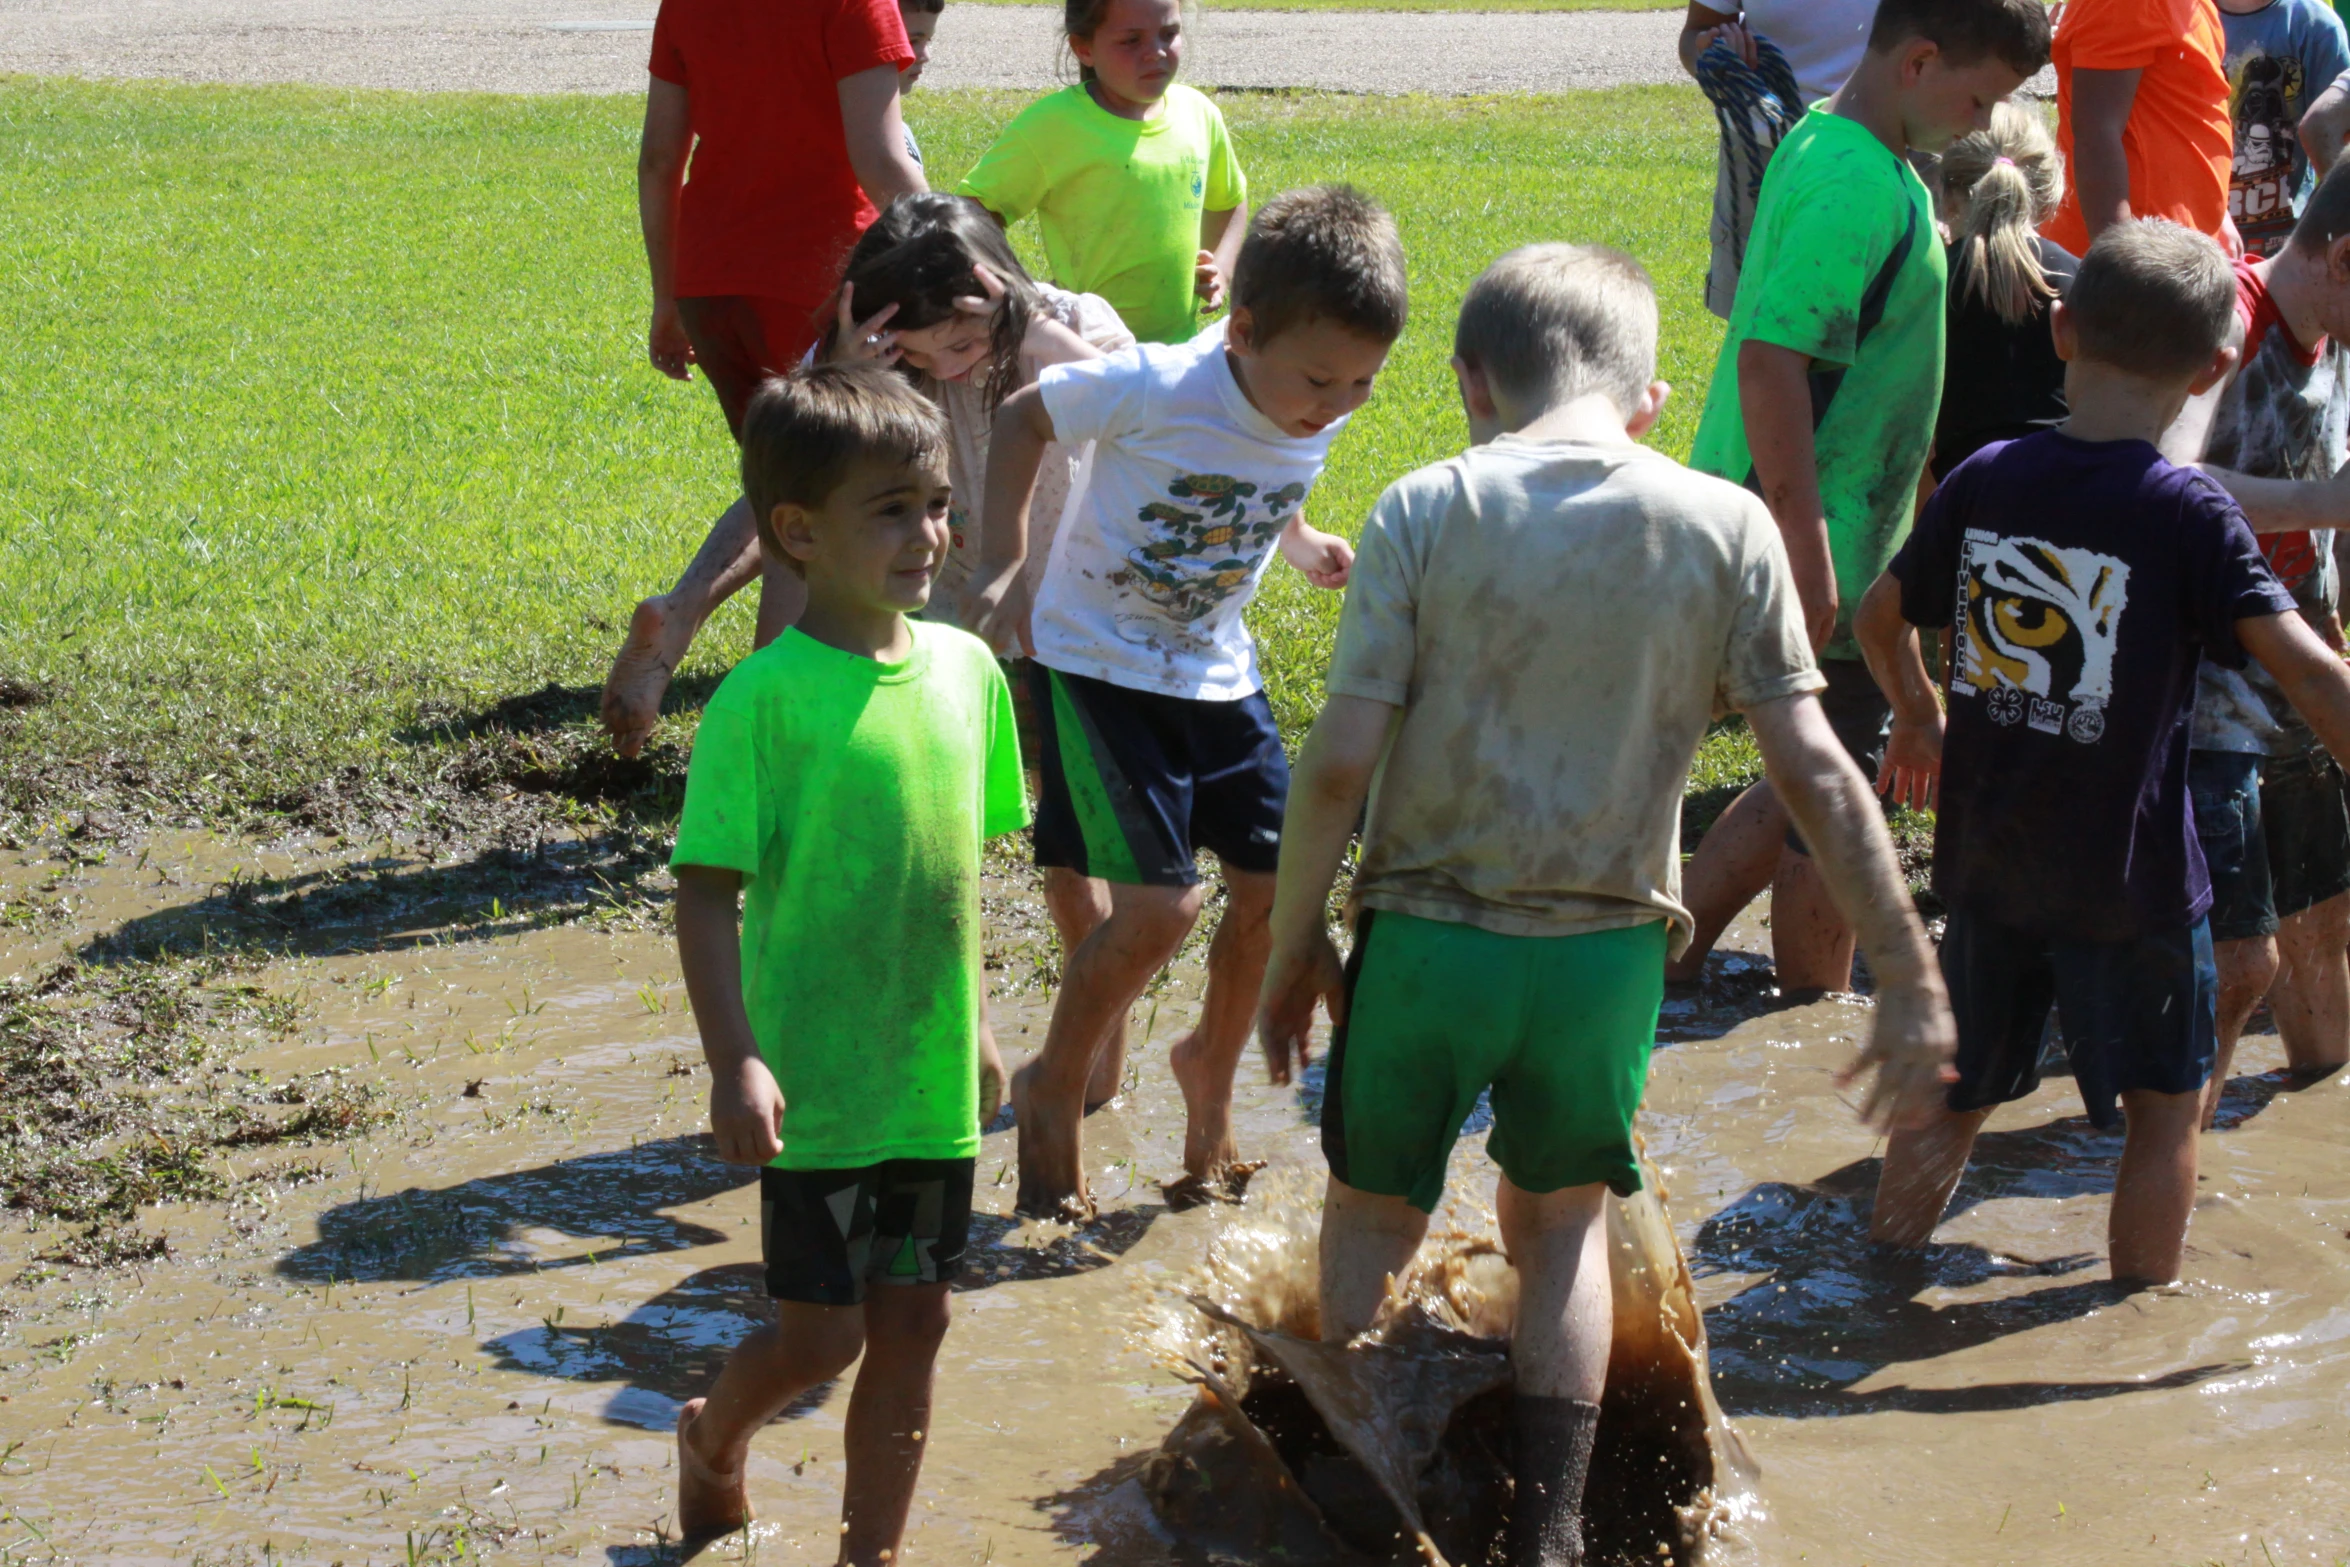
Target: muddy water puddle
[(467, 1332)]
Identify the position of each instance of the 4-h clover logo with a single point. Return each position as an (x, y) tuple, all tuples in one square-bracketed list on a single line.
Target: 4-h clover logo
[(2007, 706)]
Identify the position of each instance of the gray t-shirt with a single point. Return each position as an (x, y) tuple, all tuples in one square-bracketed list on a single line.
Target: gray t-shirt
[(1559, 622)]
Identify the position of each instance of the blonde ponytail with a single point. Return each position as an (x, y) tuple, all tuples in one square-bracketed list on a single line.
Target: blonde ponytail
[(1998, 186)]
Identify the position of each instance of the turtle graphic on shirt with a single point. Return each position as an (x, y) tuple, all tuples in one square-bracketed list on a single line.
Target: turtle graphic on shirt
[(1220, 493), (1198, 558)]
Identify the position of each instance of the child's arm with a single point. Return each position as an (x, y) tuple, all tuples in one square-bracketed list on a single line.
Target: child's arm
[(1889, 644), (660, 170), (1913, 1038), (1015, 455), (875, 130), (746, 1107), (1220, 234), (2101, 168), (2312, 677), (1774, 399), (1325, 558), (2326, 127), (1326, 794), (2288, 505)]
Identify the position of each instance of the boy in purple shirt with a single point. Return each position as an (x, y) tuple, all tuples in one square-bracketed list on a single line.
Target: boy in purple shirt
[(2086, 578)]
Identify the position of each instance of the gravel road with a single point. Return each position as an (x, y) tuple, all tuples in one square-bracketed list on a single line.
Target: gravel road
[(598, 46)]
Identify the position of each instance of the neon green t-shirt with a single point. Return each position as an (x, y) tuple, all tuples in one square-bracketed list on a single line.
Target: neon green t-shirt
[(854, 796), (1844, 265), (1119, 200)]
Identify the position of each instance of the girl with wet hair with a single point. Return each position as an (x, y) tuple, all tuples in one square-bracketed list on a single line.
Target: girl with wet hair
[(2001, 377)]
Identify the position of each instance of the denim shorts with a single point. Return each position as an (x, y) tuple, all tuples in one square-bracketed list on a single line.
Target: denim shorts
[(2225, 788)]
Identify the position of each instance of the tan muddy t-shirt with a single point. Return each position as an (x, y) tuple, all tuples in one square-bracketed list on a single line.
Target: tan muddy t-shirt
[(1559, 622)]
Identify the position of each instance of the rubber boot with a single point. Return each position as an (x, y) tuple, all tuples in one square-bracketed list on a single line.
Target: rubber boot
[(1553, 1457)]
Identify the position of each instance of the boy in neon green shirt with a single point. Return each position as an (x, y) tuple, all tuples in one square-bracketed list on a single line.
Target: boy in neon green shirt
[(1131, 175), (844, 780)]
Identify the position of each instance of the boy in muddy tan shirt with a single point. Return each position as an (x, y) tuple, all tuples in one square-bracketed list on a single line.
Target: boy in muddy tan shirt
[(1536, 637)]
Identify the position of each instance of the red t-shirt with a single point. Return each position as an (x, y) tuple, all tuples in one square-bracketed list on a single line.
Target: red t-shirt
[(2179, 139), (2292, 556), (771, 205)]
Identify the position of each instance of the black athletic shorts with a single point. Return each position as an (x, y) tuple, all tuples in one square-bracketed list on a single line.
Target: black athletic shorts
[(2307, 825), (1859, 714), (827, 1233)]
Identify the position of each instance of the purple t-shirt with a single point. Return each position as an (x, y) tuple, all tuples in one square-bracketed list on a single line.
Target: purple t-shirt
[(2094, 578)]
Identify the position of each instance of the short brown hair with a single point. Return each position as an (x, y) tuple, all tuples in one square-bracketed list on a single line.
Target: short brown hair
[(1967, 30), (2327, 217), (804, 431), (2152, 298), (1325, 251), (931, 6), (1550, 323)]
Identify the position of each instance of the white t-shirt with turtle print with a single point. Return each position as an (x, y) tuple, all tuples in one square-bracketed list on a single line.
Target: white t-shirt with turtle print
[(1177, 511)]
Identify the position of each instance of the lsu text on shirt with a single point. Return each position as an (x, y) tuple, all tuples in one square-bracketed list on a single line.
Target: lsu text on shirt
[(2086, 581), (1119, 200), (1181, 503), (1558, 621), (853, 797)]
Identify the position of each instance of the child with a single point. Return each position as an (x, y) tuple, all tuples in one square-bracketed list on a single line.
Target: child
[(1531, 652), (2001, 378), (921, 19), (789, 117), (1823, 400), (1131, 175), (2086, 578), (1158, 741), (844, 779), (2142, 117), (2281, 54), (951, 302)]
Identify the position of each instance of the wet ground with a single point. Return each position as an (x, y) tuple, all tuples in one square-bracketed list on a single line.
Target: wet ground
[(465, 1333)]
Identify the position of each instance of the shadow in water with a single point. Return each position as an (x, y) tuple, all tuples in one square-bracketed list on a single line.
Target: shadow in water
[(2245, 1097), (1832, 1310), (1109, 1516)]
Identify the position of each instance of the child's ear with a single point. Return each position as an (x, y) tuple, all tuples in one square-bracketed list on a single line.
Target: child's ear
[(2338, 261), (792, 527), (2060, 326), (1476, 394), (1916, 55), (1240, 330), (2222, 361), (1652, 407)]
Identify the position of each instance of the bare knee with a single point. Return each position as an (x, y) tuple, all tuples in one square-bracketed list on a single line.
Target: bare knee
[(907, 1322), (830, 1338), (2246, 968), (1534, 1222), (1156, 918)]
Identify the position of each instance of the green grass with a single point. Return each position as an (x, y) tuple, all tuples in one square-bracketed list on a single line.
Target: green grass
[(326, 424)]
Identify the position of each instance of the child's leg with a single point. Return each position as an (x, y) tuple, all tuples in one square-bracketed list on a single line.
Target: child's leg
[(1366, 1240), (1811, 943), (2224, 787), (1100, 982), (1078, 904), (1922, 1169), (1735, 861), (804, 1346), (889, 1418), (2310, 997), (1559, 1351), (2246, 970), (663, 627), (1205, 1059), (2146, 1237)]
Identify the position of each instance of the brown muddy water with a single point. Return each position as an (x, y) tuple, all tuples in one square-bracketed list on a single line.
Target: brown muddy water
[(466, 1333)]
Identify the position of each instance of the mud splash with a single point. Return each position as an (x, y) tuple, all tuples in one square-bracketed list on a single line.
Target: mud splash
[(1396, 1447)]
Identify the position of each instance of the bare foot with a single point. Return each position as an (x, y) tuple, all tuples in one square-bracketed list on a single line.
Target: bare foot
[(1207, 1111), (1229, 1184), (991, 1078), (640, 675), (710, 1501), (1052, 1156)]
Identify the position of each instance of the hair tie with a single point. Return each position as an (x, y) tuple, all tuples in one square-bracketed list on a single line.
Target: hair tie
[(2008, 163)]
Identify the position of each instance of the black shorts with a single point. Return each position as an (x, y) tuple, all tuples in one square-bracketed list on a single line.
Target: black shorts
[(2138, 1015), (1859, 714), (2307, 827), (2225, 789), (1135, 783), (826, 1233)]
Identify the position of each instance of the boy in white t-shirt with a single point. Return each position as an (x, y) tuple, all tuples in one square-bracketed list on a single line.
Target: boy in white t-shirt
[(1157, 739), (1537, 635)]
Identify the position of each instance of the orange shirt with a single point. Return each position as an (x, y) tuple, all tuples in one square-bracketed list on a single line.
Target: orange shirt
[(2179, 140)]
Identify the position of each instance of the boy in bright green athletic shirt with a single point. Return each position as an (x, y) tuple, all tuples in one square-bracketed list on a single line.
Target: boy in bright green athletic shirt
[(843, 782), (1824, 397)]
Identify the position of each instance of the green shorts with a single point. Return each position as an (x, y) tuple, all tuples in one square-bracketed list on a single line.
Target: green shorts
[(1561, 1026)]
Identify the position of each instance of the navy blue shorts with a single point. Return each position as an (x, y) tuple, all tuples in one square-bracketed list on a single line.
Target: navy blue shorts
[(2225, 789), (2137, 1015), (1135, 783)]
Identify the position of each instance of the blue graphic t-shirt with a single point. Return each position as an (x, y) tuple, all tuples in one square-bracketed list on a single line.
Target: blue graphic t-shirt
[(2086, 580), (2279, 59)]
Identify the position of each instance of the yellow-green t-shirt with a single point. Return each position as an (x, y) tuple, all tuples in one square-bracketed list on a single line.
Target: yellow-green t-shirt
[(854, 796), (1119, 200)]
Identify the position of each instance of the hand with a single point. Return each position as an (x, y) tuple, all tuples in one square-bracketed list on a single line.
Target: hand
[(863, 342), (1910, 1049), (997, 612), (988, 300), (1734, 34), (746, 1113), (1294, 981), (1912, 769), (1326, 559), (1207, 280), (666, 344), (2230, 240)]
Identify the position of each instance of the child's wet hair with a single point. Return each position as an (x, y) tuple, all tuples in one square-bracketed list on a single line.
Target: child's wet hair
[(804, 431), (1547, 324), (2152, 298), (1326, 252), (919, 255), (1999, 185), (1968, 31)]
